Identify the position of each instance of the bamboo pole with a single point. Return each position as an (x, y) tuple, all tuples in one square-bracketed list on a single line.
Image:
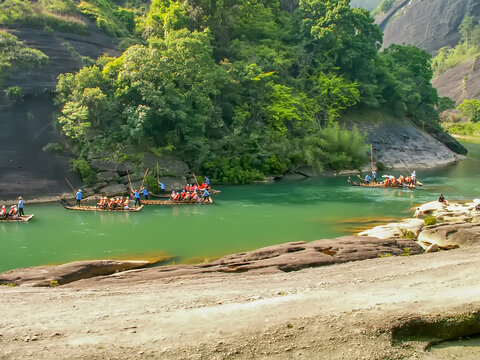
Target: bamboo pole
[(130, 182), (143, 180), (371, 154), (71, 186)]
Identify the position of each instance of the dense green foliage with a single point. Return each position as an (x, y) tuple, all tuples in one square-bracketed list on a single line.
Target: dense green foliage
[(246, 90), (467, 50), (47, 14), (470, 108), (15, 55)]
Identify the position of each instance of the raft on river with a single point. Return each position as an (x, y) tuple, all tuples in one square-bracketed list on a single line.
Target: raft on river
[(24, 218), (69, 206), (167, 195), (179, 202), (382, 185)]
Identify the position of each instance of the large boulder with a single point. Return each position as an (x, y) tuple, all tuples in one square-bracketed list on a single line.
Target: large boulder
[(451, 235), (168, 164), (114, 190), (108, 176), (451, 212), (405, 228)]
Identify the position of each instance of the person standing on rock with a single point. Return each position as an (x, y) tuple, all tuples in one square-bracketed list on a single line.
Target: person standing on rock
[(162, 187), (20, 207), (418, 213), (78, 196)]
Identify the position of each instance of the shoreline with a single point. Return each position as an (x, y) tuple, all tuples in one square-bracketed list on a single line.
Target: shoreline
[(332, 173)]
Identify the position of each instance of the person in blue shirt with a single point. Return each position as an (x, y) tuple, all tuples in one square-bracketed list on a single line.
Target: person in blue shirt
[(368, 179), (207, 180), (145, 193), (136, 195), (206, 196), (374, 176), (20, 206), (162, 187), (78, 196)]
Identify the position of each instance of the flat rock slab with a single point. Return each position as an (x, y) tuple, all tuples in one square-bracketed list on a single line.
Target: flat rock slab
[(452, 235), (66, 273), (396, 230), (280, 258)]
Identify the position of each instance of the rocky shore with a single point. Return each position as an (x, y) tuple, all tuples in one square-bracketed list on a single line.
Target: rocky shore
[(277, 302)]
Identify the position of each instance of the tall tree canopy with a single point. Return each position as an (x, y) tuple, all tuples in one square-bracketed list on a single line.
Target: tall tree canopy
[(244, 88)]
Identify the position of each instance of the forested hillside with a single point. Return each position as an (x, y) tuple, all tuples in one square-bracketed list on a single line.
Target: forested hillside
[(239, 92), (236, 92)]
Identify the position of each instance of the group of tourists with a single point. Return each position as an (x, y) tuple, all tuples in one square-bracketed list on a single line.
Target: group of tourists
[(192, 193), (114, 203), (14, 212), (391, 180), (199, 193)]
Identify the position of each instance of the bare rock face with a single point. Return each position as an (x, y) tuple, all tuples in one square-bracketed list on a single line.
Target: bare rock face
[(430, 25), (460, 83), (399, 140)]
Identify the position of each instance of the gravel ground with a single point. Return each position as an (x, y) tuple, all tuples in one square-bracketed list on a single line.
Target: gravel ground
[(344, 311)]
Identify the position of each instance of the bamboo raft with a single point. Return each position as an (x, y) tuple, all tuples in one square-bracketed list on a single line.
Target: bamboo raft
[(167, 195), (69, 206), (170, 202), (382, 185), (25, 218)]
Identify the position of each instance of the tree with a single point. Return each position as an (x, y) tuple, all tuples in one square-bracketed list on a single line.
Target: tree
[(470, 108), (466, 27)]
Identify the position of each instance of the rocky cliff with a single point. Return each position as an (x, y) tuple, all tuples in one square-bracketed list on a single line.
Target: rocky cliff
[(460, 83), (28, 127), (429, 25)]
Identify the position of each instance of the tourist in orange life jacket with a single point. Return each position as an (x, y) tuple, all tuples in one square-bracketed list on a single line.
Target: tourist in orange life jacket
[(408, 180), (176, 197), (172, 195), (3, 212), (401, 179), (13, 212)]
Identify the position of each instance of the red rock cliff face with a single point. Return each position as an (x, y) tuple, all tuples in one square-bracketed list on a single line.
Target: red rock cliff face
[(429, 25), (25, 169)]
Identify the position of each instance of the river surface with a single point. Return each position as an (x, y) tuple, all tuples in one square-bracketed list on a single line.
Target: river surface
[(242, 218)]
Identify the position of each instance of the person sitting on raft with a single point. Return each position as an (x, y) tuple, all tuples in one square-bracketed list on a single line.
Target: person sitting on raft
[(3, 212), (126, 203), (13, 213), (172, 195)]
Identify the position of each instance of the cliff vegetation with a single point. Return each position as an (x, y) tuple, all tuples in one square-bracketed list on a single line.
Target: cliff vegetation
[(240, 92)]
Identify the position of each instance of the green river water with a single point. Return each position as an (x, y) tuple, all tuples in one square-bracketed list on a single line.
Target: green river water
[(241, 218)]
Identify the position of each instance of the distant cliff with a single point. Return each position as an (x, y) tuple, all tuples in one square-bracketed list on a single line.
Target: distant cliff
[(430, 25), (25, 169)]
